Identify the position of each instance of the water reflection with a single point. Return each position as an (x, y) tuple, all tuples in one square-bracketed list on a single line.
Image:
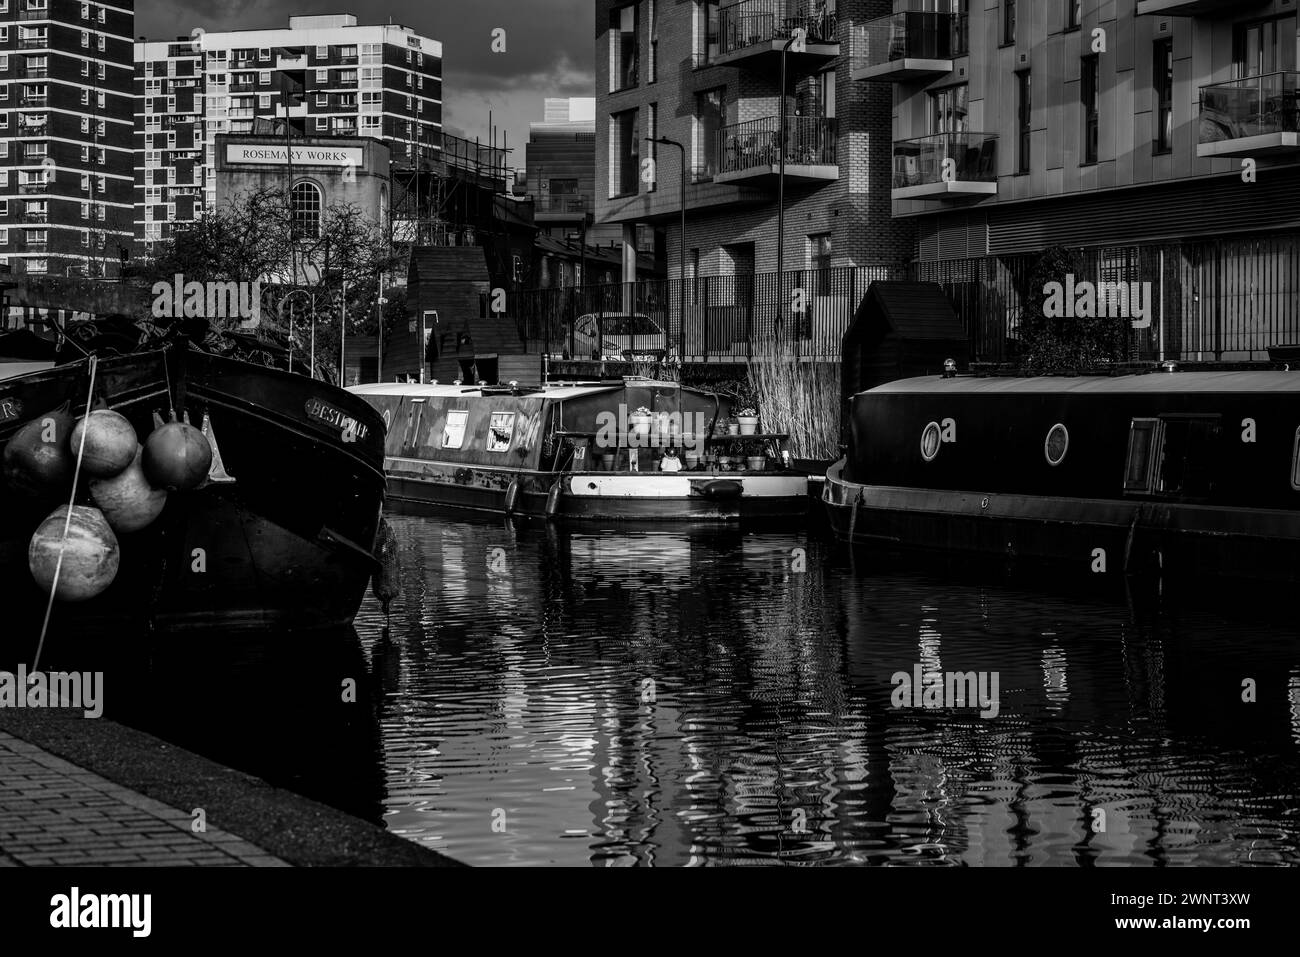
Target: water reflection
[(669, 697)]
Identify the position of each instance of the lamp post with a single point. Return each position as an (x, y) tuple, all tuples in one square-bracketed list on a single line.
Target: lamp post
[(311, 296), (681, 252), (795, 37)]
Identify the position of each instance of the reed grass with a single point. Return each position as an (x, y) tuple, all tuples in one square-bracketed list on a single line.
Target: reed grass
[(799, 398)]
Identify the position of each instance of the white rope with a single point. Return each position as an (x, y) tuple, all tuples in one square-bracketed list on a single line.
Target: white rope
[(67, 521)]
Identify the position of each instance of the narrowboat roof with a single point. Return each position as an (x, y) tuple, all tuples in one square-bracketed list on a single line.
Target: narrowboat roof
[(1154, 382), (460, 391)]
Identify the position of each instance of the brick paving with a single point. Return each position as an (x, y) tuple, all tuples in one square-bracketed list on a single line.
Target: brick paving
[(53, 812)]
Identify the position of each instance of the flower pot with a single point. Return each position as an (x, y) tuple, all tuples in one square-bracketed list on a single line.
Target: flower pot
[(692, 461), (607, 462), (756, 463), (724, 463), (640, 424), (748, 424), (733, 428)]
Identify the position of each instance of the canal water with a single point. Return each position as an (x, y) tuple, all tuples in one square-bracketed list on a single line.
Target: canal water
[(667, 697)]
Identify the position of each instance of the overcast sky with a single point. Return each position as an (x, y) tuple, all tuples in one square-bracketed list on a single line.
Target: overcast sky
[(549, 48)]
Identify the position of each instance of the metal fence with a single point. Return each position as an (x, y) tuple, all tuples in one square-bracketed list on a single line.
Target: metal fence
[(1224, 299)]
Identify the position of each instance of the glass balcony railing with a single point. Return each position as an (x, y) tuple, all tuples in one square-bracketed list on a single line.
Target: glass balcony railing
[(563, 203), (752, 22), (1249, 107), (946, 161), (894, 43), (756, 144)]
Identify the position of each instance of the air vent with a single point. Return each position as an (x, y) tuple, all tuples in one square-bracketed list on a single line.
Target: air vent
[(1162, 26), (1022, 60), (961, 71)]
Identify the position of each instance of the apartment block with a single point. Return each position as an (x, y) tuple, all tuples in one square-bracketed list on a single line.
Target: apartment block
[(65, 136), (322, 76), (707, 76), (1020, 126)]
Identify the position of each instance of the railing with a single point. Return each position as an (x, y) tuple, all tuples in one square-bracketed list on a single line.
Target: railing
[(1249, 107), (562, 203), (910, 35), (293, 62), (33, 43), (35, 217), (709, 318), (34, 101), (921, 161), (752, 22), (36, 72), (809, 141), (27, 189)]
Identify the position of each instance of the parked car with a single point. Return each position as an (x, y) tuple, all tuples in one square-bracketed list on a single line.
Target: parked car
[(618, 336)]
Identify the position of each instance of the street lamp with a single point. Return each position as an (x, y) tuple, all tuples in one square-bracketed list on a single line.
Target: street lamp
[(311, 295), (681, 279), (796, 36)]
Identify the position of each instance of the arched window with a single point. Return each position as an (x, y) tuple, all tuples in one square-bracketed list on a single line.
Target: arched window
[(305, 202)]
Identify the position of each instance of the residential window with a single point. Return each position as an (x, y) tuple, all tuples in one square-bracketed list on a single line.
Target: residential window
[(322, 76), (1088, 94), (101, 99), (1162, 57), (623, 48), (85, 154), (322, 122), (85, 38), (1265, 46), (85, 68), (102, 72), (322, 52), (100, 42), (1073, 14), (709, 120), (1008, 22), (322, 99), (85, 124), (1024, 108), (626, 148), (85, 11), (85, 210), (264, 101), (652, 133), (264, 53), (103, 15), (949, 109), (652, 64), (707, 32), (264, 77)]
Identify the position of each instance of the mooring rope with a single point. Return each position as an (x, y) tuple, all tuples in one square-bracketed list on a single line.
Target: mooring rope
[(67, 521)]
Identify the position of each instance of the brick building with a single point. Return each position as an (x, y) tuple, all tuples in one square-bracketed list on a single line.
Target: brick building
[(708, 76), (65, 136)]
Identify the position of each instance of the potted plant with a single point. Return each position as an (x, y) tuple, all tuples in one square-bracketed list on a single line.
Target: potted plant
[(640, 421), (733, 427), (607, 461), (756, 463), (747, 419), (692, 461)]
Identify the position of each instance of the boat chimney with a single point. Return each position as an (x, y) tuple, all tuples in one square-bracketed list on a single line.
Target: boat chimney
[(949, 368)]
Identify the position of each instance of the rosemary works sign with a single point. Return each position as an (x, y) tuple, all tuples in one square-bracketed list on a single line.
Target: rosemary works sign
[(250, 154)]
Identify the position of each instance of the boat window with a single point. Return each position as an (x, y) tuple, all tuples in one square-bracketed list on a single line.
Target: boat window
[(930, 441), (1143, 454), (414, 418), (1295, 463), (1191, 451), (453, 432), (1057, 444), (501, 430)]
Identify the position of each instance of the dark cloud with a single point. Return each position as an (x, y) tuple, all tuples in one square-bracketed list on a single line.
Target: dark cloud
[(549, 48)]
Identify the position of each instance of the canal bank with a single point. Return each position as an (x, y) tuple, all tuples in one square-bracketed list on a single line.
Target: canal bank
[(97, 793)]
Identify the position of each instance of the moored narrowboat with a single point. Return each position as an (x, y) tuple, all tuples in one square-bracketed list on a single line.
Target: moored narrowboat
[(633, 449), (1197, 471)]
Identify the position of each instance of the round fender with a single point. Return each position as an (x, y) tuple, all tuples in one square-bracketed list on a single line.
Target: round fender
[(722, 489)]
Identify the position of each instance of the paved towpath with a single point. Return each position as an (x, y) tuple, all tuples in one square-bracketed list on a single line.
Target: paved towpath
[(53, 812), (98, 793)]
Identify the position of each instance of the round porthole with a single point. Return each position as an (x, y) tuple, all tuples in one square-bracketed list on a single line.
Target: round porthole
[(1056, 444), (930, 441)]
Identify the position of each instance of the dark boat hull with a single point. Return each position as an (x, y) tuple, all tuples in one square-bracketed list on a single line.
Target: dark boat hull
[(287, 542), (602, 496), (1193, 473)]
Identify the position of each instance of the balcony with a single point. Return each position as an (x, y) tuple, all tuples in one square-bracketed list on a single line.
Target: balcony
[(561, 207), (36, 217), (36, 72), (33, 43), (298, 62), (908, 46), (946, 165), (1249, 117), (750, 153), (33, 187), (295, 110), (753, 32), (1193, 8)]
